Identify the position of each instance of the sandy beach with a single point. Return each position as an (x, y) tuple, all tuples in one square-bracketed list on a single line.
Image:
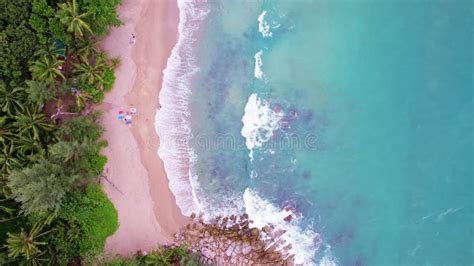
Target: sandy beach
[(135, 179)]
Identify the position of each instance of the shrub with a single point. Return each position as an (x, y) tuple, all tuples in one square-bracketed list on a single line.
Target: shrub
[(59, 31), (96, 164), (109, 79), (96, 94), (95, 215)]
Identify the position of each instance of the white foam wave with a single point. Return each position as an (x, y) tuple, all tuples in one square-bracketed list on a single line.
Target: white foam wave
[(260, 122), (258, 73), (328, 259), (172, 120), (263, 26), (304, 243)]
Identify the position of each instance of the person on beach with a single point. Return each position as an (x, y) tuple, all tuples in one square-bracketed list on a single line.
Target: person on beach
[(120, 116), (133, 111), (128, 119), (133, 39)]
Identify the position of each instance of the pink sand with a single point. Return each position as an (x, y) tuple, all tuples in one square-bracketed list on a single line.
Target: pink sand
[(138, 188)]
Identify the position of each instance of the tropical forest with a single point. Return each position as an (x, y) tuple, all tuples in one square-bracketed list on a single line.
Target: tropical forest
[(52, 208)]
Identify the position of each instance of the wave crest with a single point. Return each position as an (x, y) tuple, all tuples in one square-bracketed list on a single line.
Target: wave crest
[(304, 243), (263, 26), (260, 121), (258, 73), (172, 120)]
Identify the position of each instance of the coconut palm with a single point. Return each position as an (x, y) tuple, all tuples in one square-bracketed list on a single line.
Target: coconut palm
[(11, 99), (24, 244), (27, 145), (165, 256), (7, 132), (101, 58), (90, 73), (81, 98), (68, 14), (48, 50), (86, 48), (10, 158), (9, 209), (32, 122), (46, 69)]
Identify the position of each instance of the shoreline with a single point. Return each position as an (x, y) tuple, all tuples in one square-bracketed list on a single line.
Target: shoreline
[(138, 187), (145, 92)]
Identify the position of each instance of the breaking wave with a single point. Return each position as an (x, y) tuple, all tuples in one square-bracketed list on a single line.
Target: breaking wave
[(260, 122), (263, 26), (258, 73), (172, 119), (304, 243)]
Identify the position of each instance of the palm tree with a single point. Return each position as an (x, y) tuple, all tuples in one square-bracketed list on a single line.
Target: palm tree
[(32, 122), (24, 244), (27, 145), (11, 99), (90, 73), (49, 50), (81, 98), (165, 256), (10, 158), (86, 48), (6, 130), (9, 209), (46, 69), (158, 257), (68, 14)]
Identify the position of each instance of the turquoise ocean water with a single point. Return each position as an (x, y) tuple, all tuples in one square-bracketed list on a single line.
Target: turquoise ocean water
[(353, 117)]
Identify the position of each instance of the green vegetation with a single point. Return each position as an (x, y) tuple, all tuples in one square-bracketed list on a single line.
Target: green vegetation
[(52, 211), (94, 215), (176, 255)]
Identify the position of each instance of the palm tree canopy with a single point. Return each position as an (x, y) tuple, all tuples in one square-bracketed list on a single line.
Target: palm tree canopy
[(68, 14), (46, 69), (90, 73), (32, 122), (6, 130), (24, 244), (86, 48), (11, 99), (10, 158)]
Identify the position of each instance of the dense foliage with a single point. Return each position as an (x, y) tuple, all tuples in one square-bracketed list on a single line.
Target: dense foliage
[(94, 215), (175, 255), (52, 210)]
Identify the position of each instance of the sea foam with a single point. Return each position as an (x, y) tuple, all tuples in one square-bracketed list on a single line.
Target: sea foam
[(260, 122), (173, 118), (258, 73), (263, 26), (304, 243)]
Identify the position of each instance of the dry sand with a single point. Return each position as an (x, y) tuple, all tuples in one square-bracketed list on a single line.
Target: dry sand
[(136, 181)]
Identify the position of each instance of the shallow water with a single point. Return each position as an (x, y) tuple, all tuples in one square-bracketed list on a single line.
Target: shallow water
[(355, 115)]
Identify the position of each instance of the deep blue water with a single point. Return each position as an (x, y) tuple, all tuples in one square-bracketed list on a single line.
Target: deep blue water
[(362, 121)]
